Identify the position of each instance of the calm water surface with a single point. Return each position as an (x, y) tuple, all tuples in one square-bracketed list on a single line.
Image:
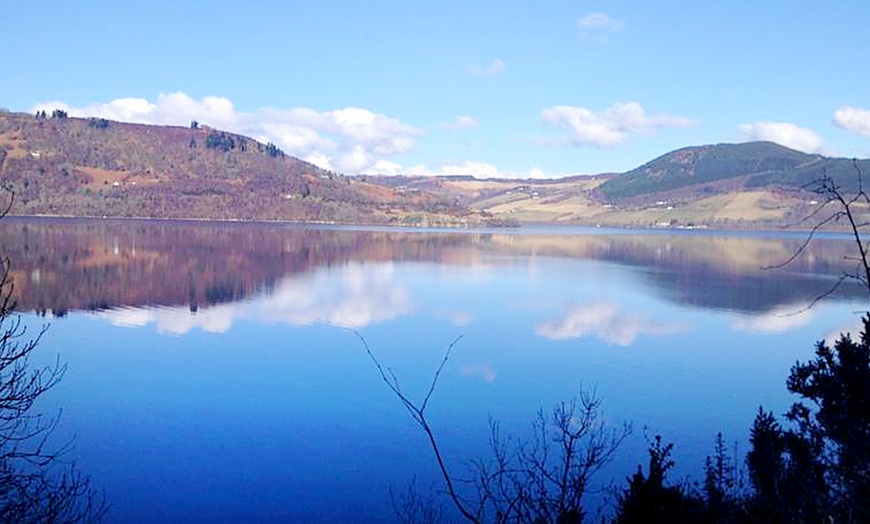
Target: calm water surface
[(216, 373)]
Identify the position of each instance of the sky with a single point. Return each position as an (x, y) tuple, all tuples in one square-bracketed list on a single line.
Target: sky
[(491, 89)]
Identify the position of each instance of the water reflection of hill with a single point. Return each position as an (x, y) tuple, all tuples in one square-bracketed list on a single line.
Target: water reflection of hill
[(62, 265), (733, 272)]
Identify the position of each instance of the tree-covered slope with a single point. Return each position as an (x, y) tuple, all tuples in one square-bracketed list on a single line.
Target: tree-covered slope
[(749, 165)]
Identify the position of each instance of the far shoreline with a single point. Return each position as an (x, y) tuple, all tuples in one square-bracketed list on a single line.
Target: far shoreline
[(524, 228)]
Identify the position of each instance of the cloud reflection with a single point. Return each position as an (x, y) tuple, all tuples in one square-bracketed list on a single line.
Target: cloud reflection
[(778, 320), (175, 321), (606, 321), (853, 329), (359, 296), (483, 371), (457, 318), (352, 296)]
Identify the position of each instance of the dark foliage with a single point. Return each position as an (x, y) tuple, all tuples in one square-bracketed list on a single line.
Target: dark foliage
[(648, 499), (99, 123), (817, 470), (220, 140), (273, 151), (788, 482), (834, 423), (59, 114)]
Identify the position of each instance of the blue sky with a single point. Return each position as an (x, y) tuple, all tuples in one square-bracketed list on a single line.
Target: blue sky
[(508, 88)]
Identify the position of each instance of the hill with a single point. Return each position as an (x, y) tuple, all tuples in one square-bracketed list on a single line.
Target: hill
[(754, 185), (93, 167), (748, 165), (58, 165)]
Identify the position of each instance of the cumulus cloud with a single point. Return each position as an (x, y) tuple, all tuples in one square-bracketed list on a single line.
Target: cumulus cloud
[(169, 109), (468, 168), (785, 134), (475, 169), (460, 123), (610, 127), (606, 321), (853, 119), (496, 67), (349, 140), (598, 23)]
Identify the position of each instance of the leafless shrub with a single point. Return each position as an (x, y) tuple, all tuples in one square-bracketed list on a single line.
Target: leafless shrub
[(539, 480)]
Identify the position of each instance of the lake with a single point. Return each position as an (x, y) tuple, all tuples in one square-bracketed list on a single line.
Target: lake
[(216, 371)]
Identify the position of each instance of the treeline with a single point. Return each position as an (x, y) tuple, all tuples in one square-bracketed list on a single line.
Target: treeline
[(816, 468), (813, 466), (225, 142)]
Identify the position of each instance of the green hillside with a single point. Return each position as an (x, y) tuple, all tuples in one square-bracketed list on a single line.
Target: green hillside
[(748, 165)]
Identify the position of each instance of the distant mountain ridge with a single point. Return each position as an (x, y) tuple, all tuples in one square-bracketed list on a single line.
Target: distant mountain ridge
[(62, 166)]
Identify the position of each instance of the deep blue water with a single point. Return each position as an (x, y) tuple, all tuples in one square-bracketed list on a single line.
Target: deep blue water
[(257, 402)]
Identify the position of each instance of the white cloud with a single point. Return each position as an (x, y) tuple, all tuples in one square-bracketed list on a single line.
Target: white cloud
[(385, 167), (319, 159), (600, 23), (607, 322), (610, 127), (349, 140), (475, 169), (785, 134), (468, 168), (170, 109), (496, 67), (460, 123), (853, 119)]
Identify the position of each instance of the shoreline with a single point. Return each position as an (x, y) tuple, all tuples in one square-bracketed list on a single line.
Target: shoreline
[(524, 228)]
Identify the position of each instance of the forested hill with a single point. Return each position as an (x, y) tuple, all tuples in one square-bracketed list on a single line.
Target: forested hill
[(748, 165), (59, 165)]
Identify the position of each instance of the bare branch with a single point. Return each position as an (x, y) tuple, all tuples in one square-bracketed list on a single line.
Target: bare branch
[(851, 209), (438, 372), (539, 480), (33, 486), (419, 417)]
